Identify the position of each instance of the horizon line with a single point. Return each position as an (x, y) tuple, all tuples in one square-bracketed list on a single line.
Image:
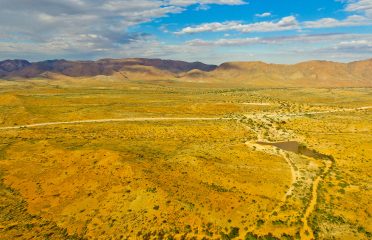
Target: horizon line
[(197, 61)]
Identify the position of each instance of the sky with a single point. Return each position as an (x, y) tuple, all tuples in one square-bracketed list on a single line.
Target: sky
[(211, 31)]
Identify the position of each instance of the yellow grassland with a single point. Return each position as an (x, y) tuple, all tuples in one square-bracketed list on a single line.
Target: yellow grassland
[(182, 179)]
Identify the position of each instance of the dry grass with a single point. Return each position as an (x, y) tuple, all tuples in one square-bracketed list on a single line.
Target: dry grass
[(137, 178), (175, 179)]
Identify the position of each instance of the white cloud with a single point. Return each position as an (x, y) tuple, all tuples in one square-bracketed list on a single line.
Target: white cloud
[(68, 27), (45, 19), (265, 14), (290, 49), (314, 38), (364, 6), (356, 43), (224, 42), (286, 23), (205, 2), (361, 45), (354, 20)]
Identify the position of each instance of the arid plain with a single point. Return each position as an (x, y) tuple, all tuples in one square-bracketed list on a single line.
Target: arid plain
[(113, 159)]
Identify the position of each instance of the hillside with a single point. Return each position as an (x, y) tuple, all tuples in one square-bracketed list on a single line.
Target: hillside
[(23, 69), (305, 74), (230, 74)]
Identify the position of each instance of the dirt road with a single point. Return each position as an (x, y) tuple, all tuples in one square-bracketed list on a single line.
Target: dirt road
[(144, 119), (114, 120)]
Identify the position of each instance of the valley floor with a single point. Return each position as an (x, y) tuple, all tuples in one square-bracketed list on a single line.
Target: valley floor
[(142, 161)]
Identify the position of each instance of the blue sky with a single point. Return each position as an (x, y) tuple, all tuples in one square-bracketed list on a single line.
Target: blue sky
[(212, 31)]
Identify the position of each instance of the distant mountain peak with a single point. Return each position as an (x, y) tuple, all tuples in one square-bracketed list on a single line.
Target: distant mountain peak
[(13, 65), (25, 69)]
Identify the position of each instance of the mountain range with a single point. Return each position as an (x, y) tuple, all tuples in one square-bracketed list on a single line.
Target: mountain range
[(244, 74)]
